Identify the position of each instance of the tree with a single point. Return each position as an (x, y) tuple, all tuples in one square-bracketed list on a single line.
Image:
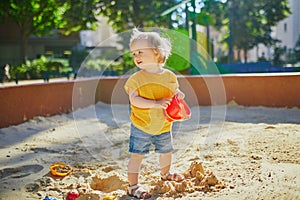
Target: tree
[(126, 14), (277, 60), (39, 17), (292, 56), (297, 49), (248, 22), (80, 15)]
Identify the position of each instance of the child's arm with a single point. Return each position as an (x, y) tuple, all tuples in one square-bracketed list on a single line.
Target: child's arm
[(141, 102)]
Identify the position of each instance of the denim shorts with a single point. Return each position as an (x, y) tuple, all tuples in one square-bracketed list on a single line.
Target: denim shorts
[(140, 141)]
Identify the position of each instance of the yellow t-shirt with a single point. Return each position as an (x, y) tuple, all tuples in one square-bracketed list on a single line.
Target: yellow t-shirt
[(154, 87)]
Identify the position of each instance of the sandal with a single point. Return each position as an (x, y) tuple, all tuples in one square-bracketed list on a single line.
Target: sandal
[(138, 192), (172, 177)]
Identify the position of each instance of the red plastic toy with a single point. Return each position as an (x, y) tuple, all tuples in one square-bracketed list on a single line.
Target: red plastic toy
[(178, 110), (72, 195)]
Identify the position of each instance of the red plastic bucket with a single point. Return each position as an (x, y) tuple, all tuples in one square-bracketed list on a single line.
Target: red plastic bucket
[(178, 110)]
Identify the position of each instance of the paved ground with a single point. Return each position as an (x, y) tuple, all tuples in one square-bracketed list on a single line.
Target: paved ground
[(26, 82)]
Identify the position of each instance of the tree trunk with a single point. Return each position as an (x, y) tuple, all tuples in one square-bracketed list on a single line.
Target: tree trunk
[(245, 55), (257, 50), (23, 46), (136, 10)]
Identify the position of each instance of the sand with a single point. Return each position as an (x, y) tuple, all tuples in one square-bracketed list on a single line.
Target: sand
[(225, 152)]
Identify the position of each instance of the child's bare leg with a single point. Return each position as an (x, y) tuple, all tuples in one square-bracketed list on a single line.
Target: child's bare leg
[(165, 162), (165, 165), (134, 168)]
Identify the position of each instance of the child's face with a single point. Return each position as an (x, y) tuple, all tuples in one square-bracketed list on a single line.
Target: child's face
[(143, 54)]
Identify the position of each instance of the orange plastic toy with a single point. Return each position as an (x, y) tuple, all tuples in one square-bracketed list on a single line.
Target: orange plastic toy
[(60, 169), (178, 110)]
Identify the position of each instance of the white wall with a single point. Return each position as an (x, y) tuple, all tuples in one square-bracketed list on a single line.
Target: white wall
[(99, 37), (288, 35), (288, 30)]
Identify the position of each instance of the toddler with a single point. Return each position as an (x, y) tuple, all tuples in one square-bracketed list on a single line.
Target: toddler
[(150, 91)]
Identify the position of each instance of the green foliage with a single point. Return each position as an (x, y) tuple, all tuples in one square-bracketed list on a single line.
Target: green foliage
[(18, 72), (98, 64), (58, 65), (217, 12), (128, 61), (204, 19), (277, 57), (115, 67), (36, 17), (77, 57), (39, 17), (251, 21), (283, 56), (36, 68), (126, 14), (79, 15), (290, 57)]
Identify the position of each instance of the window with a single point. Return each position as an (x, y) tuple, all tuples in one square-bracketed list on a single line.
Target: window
[(285, 27)]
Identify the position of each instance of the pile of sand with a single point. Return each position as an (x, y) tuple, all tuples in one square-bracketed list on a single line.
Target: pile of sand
[(196, 180), (97, 184)]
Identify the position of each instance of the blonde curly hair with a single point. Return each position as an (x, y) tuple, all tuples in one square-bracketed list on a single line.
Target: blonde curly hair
[(161, 44)]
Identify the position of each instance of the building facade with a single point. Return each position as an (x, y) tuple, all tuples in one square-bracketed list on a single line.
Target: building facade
[(287, 31)]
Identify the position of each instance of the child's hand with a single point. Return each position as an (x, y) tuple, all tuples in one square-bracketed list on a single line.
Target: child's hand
[(164, 103), (180, 94)]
